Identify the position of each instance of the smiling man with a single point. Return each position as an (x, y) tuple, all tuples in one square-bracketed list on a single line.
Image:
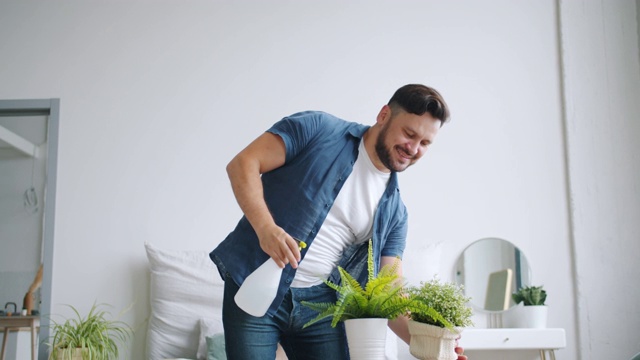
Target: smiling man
[(333, 184)]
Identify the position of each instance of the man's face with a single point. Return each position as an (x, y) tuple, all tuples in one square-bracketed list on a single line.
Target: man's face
[(404, 138)]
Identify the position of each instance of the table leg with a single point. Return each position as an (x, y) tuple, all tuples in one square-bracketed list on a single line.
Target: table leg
[(4, 343), (33, 340), (553, 354), (542, 355)]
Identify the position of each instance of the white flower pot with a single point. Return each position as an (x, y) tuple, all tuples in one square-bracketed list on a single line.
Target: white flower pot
[(532, 316), (366, 338), (430, 342)]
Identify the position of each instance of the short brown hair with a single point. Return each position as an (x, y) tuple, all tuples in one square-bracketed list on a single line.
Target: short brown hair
[(419, 99)]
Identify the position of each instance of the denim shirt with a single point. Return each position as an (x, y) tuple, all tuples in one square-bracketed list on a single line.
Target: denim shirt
[(321, 150)]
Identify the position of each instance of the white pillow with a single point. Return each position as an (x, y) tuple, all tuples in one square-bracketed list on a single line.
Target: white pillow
[(208, 327), (185, 287)]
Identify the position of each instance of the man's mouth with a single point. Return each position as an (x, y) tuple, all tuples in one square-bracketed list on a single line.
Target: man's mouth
[(403, 154)]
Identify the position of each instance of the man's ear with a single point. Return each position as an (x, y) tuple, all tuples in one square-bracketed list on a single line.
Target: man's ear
[(384, 115)]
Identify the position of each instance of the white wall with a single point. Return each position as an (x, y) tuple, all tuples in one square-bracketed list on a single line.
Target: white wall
[(156, 97), (602, 92)]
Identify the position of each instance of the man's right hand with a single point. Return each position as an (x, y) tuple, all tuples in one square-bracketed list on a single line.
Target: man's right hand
[(280, 246)]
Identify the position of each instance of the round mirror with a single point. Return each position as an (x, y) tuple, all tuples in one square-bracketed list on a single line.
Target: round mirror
[(491, 270)]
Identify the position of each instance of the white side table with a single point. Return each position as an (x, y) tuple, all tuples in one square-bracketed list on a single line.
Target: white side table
[(543, 340)]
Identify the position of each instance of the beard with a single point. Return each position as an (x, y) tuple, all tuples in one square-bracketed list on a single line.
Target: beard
[(384, 152)]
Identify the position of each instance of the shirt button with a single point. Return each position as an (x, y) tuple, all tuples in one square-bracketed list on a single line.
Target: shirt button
[(288, 281), (326, 205)]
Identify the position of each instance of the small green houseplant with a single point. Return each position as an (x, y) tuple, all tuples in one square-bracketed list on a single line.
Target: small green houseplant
[(94, 337), (533, 313), (448, 299), (432, 338), (530, 296)]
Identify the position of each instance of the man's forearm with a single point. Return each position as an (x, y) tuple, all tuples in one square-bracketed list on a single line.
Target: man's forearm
[(244, 176), (400, 326)]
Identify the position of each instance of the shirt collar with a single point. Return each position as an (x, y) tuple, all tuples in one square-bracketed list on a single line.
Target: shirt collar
[(358, 130)]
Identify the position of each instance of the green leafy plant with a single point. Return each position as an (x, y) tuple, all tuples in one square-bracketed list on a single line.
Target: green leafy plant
[(446, 298), (383, 296), (530, 295), (95, 335)]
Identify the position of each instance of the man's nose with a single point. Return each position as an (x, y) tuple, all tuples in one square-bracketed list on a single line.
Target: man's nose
[(412, 148)]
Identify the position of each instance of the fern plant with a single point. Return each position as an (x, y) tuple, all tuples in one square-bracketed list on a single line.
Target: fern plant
[(383, 296), (530, 295), (96, 336)]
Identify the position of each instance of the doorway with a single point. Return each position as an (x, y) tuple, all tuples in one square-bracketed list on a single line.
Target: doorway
[(28, 167)]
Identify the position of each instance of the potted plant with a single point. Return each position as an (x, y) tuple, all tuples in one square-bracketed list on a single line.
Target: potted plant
[(366, 310), (435, 338), (534, 312), (94, 337), (530, 296)]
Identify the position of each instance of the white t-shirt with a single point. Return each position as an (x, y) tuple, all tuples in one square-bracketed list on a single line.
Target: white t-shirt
[(349, 221)]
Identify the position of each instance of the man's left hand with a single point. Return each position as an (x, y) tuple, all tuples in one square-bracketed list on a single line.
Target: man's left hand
[(460, 351)]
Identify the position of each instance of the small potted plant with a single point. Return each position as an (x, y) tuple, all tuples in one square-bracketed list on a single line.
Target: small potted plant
[(433, 338), (366, 310), (94, 337), (530, 296), (534, 312)]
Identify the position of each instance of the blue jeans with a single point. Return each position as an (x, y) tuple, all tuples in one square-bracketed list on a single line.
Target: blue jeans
[(252, 338)]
